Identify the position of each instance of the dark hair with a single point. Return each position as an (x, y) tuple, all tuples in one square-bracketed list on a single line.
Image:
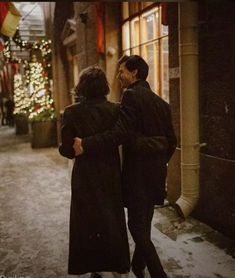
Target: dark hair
[(134, 62), (92, 83)]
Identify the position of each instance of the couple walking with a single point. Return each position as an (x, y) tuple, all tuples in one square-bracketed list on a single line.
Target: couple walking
[(92, 130)]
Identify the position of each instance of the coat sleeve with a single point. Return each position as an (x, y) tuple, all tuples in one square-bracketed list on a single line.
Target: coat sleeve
[(153, 145), (119, 133), (163, 145), (67, 137)]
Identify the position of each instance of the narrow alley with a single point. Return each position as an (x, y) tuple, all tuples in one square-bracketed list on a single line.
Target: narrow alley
[(34, 221)]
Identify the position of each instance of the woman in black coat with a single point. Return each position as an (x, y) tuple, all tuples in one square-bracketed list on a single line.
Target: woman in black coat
[(98, 237)]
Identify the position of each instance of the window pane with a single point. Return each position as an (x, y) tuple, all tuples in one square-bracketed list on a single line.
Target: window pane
[(148, 27), (151, 55), (157, 23), (125, 36), (164, 30), (127, 52), (135, 32), (165, 69), (148, 54), (157, 82), (135, 51), (150, 22), (143, 36)]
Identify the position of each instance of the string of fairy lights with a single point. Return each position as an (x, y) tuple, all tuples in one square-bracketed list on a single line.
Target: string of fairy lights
[(40, 98), (32, 95), (44, 46), (21, 98)]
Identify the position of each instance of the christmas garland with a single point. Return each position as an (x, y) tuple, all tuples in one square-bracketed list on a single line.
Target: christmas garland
[(38, 103), (44, 46)]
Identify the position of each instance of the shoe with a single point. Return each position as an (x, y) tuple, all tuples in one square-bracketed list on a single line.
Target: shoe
[(139, 273)]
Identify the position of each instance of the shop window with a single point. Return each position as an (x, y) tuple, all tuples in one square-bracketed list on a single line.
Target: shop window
[(125, 36), (145, 35)]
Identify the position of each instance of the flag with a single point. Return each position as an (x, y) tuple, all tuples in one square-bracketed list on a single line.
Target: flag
[(9, 18)]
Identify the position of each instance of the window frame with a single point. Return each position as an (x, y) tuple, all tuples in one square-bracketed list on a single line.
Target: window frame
[(140, 48)]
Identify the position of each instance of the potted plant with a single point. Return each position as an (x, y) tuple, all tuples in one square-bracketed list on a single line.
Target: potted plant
[(21, 123), (41, 112), (43, 127), (21, 106)]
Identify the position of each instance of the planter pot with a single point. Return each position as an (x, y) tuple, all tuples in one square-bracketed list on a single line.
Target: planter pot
[(43, 134), (21, 124)]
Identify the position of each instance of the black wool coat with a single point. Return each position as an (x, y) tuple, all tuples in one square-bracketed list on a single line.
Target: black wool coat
[(145, 129), (98, 236)]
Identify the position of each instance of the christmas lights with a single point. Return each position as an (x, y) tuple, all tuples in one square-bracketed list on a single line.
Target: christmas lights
[(21, 99), (42, 105), (44, 46), (33, 97)]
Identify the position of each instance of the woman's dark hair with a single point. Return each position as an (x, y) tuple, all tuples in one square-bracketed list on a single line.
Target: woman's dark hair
[(135, 62), (92, 83)]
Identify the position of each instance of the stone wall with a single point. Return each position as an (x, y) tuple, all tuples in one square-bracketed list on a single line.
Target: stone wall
[(85, 14)]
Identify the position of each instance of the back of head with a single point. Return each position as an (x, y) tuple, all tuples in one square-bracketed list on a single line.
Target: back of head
[(92, 83), (135, 62)]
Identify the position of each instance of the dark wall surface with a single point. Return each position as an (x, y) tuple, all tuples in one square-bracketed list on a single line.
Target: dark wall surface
[(216, 206), (217, 78)]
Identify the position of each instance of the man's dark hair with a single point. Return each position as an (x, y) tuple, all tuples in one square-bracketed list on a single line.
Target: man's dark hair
[(92, 83), (135, 62)]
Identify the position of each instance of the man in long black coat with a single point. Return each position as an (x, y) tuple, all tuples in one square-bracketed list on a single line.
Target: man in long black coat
[(145, 129)]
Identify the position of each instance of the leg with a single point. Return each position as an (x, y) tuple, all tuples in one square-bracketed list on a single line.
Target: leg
[(138, 261), (139, 222)]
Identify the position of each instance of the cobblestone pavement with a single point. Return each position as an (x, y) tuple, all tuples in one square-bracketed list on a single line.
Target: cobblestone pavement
[(34, 215)]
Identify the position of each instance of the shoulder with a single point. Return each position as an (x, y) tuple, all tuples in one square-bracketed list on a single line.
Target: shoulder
[(71, 110), (149, 95), (160, 99), (73, 107), (138, 90), (130, 93), (136, 95), (162, 105), (113, 106)]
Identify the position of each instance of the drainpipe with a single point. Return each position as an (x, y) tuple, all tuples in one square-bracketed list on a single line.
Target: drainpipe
[(189, 116)]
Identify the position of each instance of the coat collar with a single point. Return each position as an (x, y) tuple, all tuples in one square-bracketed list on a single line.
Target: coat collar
[(93, 100), (140, 82)]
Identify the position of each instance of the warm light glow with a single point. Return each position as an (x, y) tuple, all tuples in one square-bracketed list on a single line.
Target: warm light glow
[(21, 99)]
